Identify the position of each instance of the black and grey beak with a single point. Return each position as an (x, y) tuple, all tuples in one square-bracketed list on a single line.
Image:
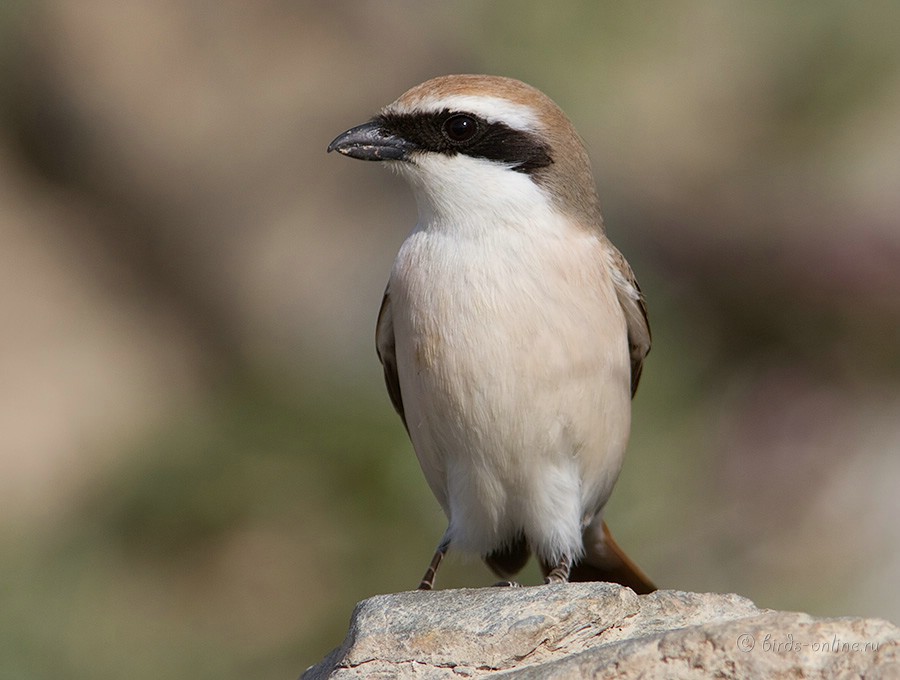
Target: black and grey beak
[(372, 142)]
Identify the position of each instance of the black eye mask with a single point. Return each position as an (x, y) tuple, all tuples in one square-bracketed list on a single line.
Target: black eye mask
[(452, 132)]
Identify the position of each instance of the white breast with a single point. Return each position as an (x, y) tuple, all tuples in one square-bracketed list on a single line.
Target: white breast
[(513, 364)]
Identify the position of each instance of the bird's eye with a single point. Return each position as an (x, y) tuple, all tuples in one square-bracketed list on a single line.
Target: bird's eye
[(460, 128)]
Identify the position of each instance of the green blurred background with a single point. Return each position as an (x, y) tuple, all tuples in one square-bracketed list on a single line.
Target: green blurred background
[(200, 471)]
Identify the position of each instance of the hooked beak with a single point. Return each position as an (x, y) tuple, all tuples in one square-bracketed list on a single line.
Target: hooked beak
[(371, 142)]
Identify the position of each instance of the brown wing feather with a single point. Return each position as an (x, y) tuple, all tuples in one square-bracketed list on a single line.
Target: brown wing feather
[(384, 345), (632, 301)]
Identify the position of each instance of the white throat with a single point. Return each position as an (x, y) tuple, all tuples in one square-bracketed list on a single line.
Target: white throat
[(467, 193)]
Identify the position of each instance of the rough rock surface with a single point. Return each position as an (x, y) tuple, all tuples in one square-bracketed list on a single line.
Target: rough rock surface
[(599, 630)]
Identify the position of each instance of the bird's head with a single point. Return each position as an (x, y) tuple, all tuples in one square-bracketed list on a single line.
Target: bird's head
[(482, 146)]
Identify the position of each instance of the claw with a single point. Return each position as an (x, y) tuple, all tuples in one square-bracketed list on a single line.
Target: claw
[(560, 573)]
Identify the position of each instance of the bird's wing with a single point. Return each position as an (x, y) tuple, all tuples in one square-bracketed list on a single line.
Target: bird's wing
[(632, 301), (384, 345)]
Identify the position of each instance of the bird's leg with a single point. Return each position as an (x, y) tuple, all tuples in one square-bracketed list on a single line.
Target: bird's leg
[(427, 582), (559, 573)]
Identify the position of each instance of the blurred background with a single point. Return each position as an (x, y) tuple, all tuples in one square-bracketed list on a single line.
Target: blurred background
[(200, 471)]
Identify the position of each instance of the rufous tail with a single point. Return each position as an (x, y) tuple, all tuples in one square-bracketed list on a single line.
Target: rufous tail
[(604, 560)]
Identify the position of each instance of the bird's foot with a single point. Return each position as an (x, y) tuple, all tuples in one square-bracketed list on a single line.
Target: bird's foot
[(427, 582), (559, 573)]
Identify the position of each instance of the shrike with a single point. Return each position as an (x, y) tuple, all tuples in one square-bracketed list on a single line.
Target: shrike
[(512, 332)]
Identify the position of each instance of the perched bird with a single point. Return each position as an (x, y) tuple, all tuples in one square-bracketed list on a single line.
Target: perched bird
[(512, 332)]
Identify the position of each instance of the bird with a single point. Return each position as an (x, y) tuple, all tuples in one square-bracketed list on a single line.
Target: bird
[(512, 333)]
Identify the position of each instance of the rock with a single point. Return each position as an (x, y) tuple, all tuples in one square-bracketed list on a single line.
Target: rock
[(600, 630)]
